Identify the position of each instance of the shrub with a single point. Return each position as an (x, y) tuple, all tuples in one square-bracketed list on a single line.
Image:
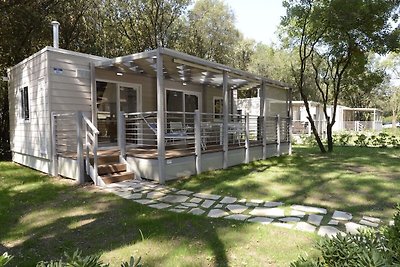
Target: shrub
[(4, 259), (367, 248), (361, 140), (344, 139)]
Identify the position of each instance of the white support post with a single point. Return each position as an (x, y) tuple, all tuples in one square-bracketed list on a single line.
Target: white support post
[(278, 135), (95, 165), (160, 118), (93, 91), (79, 148), (197, 137), (247, 140), (290, 124), (264, 114), (54, 155), (87, 144), (225, 109), (121, 135), (374, 122)]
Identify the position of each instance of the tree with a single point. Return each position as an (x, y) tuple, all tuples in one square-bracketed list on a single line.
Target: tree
[(210, 32), (147, 24), (391, 64), (332, 37)]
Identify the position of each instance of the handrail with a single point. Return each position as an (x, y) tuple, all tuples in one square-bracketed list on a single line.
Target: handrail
[(90, 124), (91, 142)]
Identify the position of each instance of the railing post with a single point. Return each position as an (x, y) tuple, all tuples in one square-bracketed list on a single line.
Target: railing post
[(87, 144), (264, 121), (247, 140), (197, 138), (54, 165), (278, 135), (79, 148), (122, 135), (95, 165), (225, 109)]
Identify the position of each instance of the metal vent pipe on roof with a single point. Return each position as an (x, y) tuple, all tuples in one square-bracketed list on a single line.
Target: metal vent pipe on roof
[(56, 26)]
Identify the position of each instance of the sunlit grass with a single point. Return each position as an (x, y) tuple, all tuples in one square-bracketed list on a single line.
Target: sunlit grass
[(364, 181), (42, 217)]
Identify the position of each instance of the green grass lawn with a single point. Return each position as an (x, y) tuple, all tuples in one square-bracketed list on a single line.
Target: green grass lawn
[(360, 180), (41, 217)]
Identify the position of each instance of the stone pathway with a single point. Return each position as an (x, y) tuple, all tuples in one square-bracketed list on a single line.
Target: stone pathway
[(298, 217)]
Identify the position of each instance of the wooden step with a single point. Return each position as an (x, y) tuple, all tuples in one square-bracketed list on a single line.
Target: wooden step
[(111, 168), (117, 177), (105, 160)]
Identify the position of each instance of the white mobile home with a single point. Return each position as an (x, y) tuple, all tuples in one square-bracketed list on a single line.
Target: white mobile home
[(159, 115)]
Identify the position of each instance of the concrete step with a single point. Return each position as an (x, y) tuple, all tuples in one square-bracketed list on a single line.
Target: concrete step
[(111, 168), (104, 160), (117, 177)]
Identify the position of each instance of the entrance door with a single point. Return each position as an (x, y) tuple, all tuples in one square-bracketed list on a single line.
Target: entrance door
[(107, 113), (111, 99)]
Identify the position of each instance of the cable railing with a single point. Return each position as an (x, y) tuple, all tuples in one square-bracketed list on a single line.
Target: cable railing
[(180, 131)]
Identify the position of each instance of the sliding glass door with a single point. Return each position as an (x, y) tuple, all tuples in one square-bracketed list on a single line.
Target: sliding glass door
[(111, 99)]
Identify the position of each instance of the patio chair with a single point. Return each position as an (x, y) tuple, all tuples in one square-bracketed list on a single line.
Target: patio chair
[(176, 131)]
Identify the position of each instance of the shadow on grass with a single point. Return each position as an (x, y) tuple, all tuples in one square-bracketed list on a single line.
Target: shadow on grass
[(43, 221), (341, 179)]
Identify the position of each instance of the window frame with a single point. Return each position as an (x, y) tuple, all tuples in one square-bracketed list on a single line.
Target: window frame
[(24, 105)]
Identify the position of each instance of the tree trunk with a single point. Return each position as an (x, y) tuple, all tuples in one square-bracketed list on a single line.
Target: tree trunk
[(329, 137), (394, 118), (316, 135)]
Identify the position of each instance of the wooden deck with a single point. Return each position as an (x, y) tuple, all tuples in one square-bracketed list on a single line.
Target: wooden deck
[(150, 152)]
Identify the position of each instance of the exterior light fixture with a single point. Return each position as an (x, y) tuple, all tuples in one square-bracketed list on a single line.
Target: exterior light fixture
[(119, 74)]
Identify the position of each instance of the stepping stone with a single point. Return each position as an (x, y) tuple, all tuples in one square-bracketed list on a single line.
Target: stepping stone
[(144, 201), (305, 227), (251, 204), (309, 209), (192, 205), (268, 212), (173, 189), (262, 220), (219, 206), (284, 225), (329, 231), (315, 219), (272, 204), (239, 217), (197, 211), (342, 216), (333, 222), (236, 208), (228, 200), (368, 223), (257, 201), (372, 219), (207, 203), (353, 228), (297, 213), (207, 196), (177, 210), (182, 207), (196, 200), (155, 195), (160, 206), (136, 196), (217, 213), (243, 200), (290, 219), (174, 199), (184, 192), (125, 195)]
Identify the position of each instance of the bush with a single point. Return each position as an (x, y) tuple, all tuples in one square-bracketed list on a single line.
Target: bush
[(361, 140), (76, 260), (4, 259), (367, 248)]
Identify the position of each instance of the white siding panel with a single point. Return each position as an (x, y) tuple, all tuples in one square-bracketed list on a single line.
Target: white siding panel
[(30, 140)]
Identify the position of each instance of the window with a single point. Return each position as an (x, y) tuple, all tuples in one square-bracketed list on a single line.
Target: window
[(218, 104), (24, 103)]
